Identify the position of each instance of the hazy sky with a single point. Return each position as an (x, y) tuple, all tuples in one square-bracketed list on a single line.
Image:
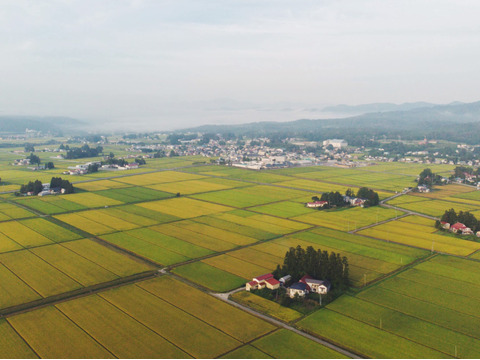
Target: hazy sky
[(179, 63)]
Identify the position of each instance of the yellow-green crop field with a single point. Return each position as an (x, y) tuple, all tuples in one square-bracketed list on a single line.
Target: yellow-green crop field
[(129, 322), (51, 270), (266, 306), (85, 224), (348, 219), (177, 207), (158, 178), (127, 269), (414, 306), (421, 236)]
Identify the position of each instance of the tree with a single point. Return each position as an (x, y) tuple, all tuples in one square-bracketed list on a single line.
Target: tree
[(29, 148), (49, 165), (317, 263), (369, 195), (34, 159), (315, 198), (140, 161)]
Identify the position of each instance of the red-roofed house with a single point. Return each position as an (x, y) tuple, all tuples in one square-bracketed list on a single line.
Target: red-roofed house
[(263, 281), (459, 227)]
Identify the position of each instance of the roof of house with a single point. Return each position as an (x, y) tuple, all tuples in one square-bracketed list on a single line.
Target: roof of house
[(263, 277), (299, 286), (272, 281), (305, 278), (319, 202), (458, 226), (253, 283)]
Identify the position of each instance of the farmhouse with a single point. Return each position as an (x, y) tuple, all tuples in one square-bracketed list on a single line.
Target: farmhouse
[(306, 285), (316, 286), (423, 189), (317, 204), (462, 228), (264, 281)]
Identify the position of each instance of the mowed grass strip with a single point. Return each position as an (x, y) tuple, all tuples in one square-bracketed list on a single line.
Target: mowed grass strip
[(209, 276), (170, 243), (265, 306), (409, 327), (85, 224), (23, 235), (13, 291), (122, 335), (236, 266), (178, 231), (144, 248), (38, 274), (196, 337), (82, 270), (235, 322), (12, 346), (184, 207), (362, 338), (50, 230), (119, 264), (53, 336), (288, 345)]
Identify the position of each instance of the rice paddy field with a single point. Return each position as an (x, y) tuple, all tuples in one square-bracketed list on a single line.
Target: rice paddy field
[(143, 251), (422, 236), (431, 301)]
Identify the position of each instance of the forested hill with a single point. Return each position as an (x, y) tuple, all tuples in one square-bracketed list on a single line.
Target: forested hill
[(52, 124), (455, 122)]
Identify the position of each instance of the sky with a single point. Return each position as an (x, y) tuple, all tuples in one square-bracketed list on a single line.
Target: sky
[(167, 64)]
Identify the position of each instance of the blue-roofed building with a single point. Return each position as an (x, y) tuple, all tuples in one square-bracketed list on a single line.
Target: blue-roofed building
[(297, 288)]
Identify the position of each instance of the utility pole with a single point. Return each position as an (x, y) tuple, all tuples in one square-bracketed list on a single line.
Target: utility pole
[(380, 323), (364, 279), (456, 351), (320, 299)]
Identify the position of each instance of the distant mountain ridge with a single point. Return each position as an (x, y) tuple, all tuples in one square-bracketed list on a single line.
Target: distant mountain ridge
[(16, 124), (376, 107), (431, 114)]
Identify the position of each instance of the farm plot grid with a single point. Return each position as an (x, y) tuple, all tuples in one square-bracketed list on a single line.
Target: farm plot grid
[(422, 236), (436, 299), (50, 270), (369, 259), (129, 321)]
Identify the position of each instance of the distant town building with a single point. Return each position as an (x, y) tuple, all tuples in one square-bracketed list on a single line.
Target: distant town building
[(336, 143)]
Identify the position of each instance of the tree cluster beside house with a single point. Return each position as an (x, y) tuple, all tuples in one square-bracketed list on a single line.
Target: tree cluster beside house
[(463, 223), (364, 197), (56, 186)]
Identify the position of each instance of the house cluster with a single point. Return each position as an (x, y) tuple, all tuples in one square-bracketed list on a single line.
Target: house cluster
[(423, 188), (354, 201), (47, 190), (317, 204), (304, 286), (458, 228)]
